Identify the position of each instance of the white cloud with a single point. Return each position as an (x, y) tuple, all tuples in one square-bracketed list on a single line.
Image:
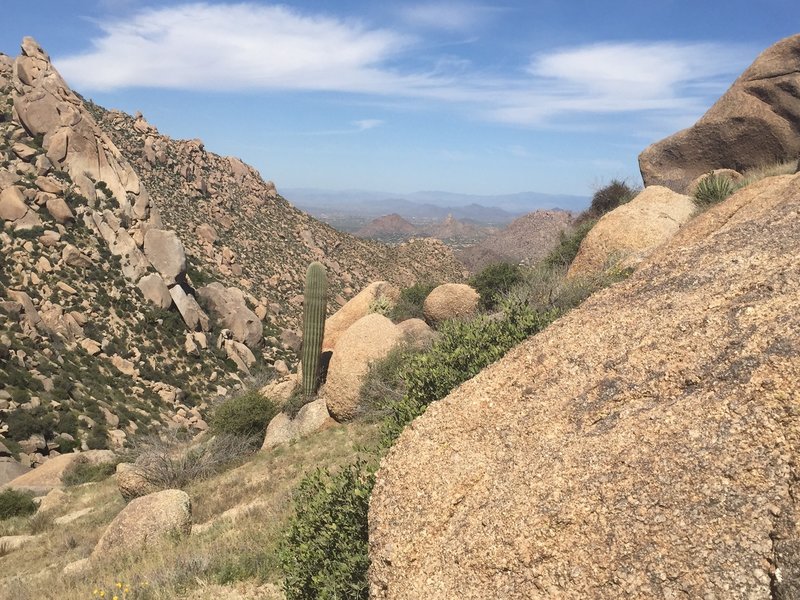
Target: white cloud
[(447, 16), (235, 46), (365, 124), (249, 46)]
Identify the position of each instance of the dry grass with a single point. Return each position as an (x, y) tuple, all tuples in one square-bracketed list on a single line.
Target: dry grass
[(752, 175), (241, 514)]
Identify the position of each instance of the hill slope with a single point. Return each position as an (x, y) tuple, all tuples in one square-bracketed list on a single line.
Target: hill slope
[(642, 446)]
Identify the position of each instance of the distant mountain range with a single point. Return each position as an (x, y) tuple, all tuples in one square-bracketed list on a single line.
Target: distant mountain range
[(428, 205)]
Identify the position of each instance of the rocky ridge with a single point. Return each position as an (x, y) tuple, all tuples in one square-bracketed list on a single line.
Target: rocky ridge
[(527, 239)]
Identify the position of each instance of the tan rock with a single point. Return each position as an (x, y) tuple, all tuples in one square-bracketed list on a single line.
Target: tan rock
[(367, 340), (49, 185), (417, 333), (132, 481), (190, 310), (59, 210), (165, 252), (206, 233), (637, 448), (66, 288), (632, 231), (311, 418), (753, 124), (74, 257), (124, 366), (10, 469), (92, 347), (280, 390), (145, 521), (230, 307), (48, 476), (55, 500), (355, 309), (12, 204), (155, 290), (450, 301), (31, 220)]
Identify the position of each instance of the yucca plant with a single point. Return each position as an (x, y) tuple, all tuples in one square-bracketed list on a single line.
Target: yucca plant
[(713, 189)]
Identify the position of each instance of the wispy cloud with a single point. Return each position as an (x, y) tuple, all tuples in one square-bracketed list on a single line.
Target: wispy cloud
[(253, 46), (235, 46), (448, 16), (356, 127)]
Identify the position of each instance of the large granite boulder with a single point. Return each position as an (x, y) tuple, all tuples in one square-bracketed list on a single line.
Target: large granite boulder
[(450, 301), (144, 522), (367, 340), (630, 232), (230, 308), (756, 122), (643, 446), (47, 476), (357, 307)]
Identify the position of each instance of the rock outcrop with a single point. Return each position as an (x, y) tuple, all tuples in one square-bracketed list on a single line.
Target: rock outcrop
[(630, 232), (230, 307), (367, 340), (146, 521), (643, 446), (311, 418), (48, 475), (450, 301), (756, 123)]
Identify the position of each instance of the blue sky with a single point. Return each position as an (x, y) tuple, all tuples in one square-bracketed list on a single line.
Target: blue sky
[(468, 97)]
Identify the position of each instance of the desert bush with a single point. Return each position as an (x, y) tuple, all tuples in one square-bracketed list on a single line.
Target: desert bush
[(409, 305), (568, 245), (169, 462), (246, 415), (462, 351), (609, 197), (713, 189), (757, 173), (383, 384), (494, 281), (324, 554), (381, 305), (97, 438), (16, 504), (83, 471)]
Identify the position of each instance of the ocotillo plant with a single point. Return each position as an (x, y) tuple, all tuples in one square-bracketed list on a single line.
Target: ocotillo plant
[(314, 303)]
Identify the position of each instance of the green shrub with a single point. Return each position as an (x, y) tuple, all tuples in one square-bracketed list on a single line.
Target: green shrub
[(462, 351), (409, 305), (83, 471), (97, 438), (568, 245), (494, 281), (383, 384), (246, 415), (610, 196), (324, 554), (713, 189), (16, 504)]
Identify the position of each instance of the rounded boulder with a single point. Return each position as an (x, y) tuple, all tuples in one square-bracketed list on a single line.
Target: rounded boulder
[(450, 301)]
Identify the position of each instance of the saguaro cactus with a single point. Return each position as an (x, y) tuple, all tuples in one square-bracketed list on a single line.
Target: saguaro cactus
[(314, 303)]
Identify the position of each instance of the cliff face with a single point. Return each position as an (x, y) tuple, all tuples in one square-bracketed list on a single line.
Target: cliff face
[(643, 446)]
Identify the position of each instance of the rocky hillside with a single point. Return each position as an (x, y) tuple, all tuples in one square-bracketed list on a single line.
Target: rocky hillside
[(389, 228), (241, 232), (143, 277), (527, 239)]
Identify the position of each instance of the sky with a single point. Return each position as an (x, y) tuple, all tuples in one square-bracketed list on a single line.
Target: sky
[(551, 96)]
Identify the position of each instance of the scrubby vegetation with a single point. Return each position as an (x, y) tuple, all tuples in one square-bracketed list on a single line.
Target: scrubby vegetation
[(409, 305), (494, 281), (16, 504), (324, 555), (713, 189), (245, 415), (83, 471), (609, 197)]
